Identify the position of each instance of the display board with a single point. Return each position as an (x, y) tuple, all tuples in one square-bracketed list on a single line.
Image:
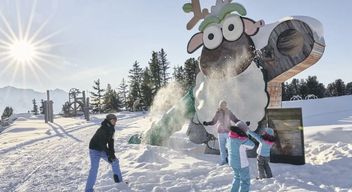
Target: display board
[(288, 126)]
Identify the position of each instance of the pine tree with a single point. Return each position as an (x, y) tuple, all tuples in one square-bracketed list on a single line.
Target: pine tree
[(340, 87), (116, 101), (303, 89), (41, 108), (178, 75), (135, 75), (66, 109), (286, 92), (123, 93), (155, 72), (97, 96), (164, 66), (314, 87), (330, 90), (147, 94), (291, 89), (111, 100), (190, 72), (8, 111), (35, 107), (349, 88), (106, 107), (336, 88), (295, 86)]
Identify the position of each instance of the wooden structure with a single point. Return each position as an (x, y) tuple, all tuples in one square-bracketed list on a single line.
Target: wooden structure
[(77, 104), (292, 48), (48, 109)]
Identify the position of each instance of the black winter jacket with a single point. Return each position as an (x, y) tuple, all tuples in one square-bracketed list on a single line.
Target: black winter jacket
[(103, 139)]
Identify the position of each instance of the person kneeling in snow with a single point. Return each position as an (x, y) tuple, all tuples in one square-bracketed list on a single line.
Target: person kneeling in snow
[(102, 146), (266, 141), (237, 145)]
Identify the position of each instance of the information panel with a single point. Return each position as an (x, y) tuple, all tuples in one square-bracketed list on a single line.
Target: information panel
[(288, 127)]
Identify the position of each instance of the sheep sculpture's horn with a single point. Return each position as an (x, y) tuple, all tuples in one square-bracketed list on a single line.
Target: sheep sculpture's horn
[(198, 13)]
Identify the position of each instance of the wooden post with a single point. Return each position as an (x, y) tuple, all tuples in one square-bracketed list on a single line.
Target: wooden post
[(84, 98), (51, 112), (86, 109), (275, 92), (46, 113), (74, 105)]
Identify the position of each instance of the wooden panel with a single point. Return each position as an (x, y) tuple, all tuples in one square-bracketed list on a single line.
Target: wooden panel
[(313, 58), (290, 50)]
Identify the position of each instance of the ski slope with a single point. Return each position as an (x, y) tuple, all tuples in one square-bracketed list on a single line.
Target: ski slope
[(35, 156)]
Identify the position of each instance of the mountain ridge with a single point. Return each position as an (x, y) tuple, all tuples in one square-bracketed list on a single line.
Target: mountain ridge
[(21, 99)]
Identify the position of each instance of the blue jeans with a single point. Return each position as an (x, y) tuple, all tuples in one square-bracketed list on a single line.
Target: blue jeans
[(222, 137), (94, 165), (241, 180)]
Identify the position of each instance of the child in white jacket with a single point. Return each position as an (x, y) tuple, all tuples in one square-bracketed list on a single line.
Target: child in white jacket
[(237, 145)]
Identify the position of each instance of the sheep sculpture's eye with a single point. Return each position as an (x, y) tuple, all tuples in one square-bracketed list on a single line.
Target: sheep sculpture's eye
[(232, 27), (212, 36)]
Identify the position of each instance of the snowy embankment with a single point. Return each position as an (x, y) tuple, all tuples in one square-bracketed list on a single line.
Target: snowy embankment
[(325, 111), (54, 157)]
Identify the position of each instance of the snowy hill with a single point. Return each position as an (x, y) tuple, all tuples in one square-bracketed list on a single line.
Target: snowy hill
[(35, 156), (325, 111), (21, 99)]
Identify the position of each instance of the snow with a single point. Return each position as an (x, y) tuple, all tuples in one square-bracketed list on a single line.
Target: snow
[(35, 156), (325, 111)]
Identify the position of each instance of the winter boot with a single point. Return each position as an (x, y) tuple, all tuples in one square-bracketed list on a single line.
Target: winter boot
[(117, 179)]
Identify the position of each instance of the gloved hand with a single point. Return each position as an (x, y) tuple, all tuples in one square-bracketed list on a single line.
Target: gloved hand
[(111, 156), (248, 123), (205, 123)]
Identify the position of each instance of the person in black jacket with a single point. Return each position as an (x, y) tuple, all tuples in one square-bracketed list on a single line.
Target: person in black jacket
[(102, 146)]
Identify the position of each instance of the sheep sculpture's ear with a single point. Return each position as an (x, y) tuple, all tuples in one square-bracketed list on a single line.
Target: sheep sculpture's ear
[(195, 42), (293, 46), (251, 27)]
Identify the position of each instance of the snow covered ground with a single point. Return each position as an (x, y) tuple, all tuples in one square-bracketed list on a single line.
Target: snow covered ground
[(35, 156)]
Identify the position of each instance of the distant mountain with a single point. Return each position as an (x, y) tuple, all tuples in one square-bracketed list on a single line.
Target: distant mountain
[(21, 99)]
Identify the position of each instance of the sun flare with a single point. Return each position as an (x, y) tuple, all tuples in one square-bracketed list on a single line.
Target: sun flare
[(22, 51), (25, 51)]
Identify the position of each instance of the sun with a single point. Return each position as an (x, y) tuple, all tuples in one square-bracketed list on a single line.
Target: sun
[(23, 51)]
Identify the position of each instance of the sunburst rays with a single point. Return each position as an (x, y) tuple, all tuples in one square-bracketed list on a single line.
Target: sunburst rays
[(24, 50)]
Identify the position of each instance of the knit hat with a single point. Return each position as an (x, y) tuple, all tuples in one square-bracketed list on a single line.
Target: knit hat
[(269, 131), (239, 131), (111, 116)]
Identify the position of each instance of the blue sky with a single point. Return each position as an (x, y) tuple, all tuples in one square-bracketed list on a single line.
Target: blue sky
[(102, 38)]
